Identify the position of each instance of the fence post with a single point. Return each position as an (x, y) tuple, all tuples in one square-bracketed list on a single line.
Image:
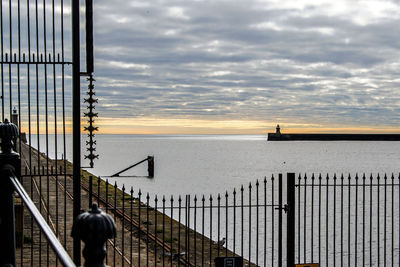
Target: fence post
[(9, 163), (280, 220), (291, 218)]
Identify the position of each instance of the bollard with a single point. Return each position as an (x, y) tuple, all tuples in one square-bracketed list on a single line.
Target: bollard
[(94, 228), (9, 163)]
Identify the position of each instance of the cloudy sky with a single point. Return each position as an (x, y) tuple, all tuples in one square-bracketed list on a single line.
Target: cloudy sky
[(180, 66)]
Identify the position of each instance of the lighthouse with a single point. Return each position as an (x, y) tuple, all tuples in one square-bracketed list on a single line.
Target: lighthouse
[(278, 130)]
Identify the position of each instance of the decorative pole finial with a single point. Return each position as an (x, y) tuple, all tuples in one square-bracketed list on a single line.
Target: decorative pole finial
[(94, 227), (8, 132)]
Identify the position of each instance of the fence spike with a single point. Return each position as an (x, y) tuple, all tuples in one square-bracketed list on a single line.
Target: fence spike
[(272, 177)]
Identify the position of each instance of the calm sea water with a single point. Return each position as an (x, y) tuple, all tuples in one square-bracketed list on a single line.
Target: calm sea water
[(204, 164)]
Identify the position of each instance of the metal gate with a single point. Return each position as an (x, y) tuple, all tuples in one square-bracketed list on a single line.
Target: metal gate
[(40, 92)]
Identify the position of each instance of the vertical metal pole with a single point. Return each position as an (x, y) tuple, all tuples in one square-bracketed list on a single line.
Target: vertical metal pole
[(7, 228), (291, 218), (280, 220), (76, 127)]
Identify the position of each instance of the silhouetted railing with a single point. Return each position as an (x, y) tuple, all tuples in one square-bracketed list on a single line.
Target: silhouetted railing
[(348, 221), (58, 249)]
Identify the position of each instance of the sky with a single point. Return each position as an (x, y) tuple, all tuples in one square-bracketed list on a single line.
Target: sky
[(241, 67)]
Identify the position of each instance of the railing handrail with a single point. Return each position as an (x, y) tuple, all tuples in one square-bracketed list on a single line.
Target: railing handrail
[(65, 259)]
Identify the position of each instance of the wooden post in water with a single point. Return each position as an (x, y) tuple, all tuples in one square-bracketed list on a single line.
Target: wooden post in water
[(150, 166)]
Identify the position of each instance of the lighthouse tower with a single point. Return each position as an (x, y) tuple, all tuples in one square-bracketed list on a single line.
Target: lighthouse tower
[(278, 130)]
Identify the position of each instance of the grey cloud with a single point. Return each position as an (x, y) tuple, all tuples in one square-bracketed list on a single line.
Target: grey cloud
[(211, 57)]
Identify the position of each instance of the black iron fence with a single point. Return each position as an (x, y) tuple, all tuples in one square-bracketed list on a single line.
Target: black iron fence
[(348, 221), (193, 230)]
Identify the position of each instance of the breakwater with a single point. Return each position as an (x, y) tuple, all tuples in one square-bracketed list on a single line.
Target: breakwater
[(333, 137)]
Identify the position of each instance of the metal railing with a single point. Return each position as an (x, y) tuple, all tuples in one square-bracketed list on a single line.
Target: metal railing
[(348, 221), (45, 228)]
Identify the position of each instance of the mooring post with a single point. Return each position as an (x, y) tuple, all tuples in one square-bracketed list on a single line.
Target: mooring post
[(9, 163), (291, 218), (94, 227), (150, 166)]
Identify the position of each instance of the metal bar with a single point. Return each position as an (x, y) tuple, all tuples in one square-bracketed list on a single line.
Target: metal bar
[(54, 242), (370, 223), (378, 221), (106, 204), (118, 173), (299, 221), (356, 222), (210, 252), (349, 225), (384, 222), (363, 220), (187, 240), (140, 219), (226, 225), (147, 228), (89, 36), (218, 222), (273, 223), (319, 218), (280, 222), (334, 219), (155, 228), (2, 67), (312, 217), (179, 229), (163, 230), (291, 218), (202, 230), (257, 218), (76, 125), (115, 217), (392, 235), (250, 222), (11, 53), (123, 226), (171, 230), (242, 218), (341, 220), (265, 221), (327, 222), (131, 227), (305, 219), (195, 231)]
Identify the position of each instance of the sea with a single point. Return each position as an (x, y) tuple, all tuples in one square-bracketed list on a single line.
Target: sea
[(210, 164)]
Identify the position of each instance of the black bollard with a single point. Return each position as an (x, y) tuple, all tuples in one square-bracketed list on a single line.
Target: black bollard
[(94, 228), (9, 163)]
